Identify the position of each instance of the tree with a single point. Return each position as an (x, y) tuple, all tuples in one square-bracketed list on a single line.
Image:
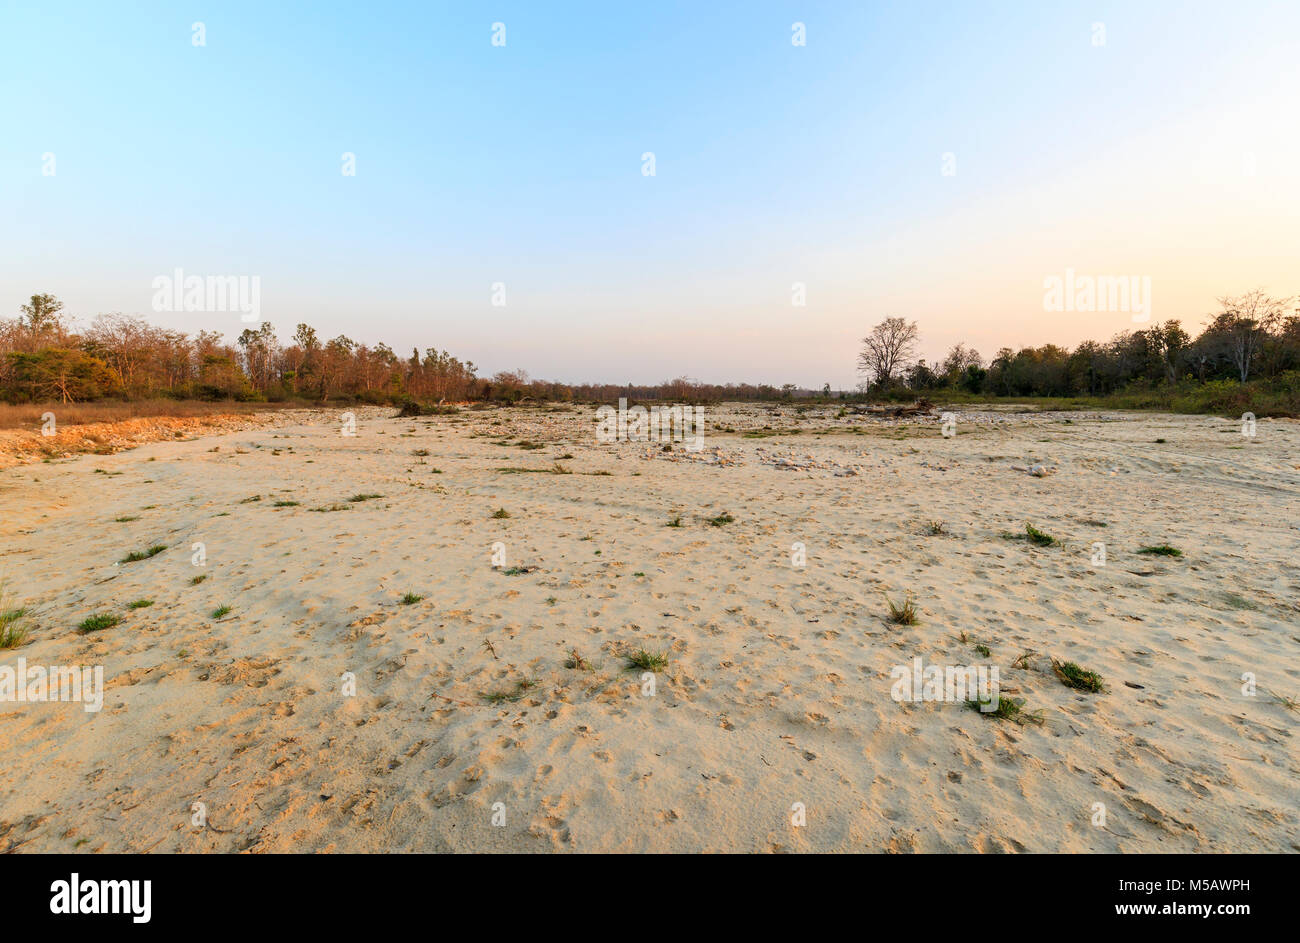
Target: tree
[(1245, 324), (887, 349), (42, 322), (1168, 342), (959, 360)]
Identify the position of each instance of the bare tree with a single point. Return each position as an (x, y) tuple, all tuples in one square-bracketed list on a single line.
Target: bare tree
[(889, 347), (1245, 323)]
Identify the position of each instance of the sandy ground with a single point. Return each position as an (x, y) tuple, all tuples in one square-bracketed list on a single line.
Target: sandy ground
[(777, 689)]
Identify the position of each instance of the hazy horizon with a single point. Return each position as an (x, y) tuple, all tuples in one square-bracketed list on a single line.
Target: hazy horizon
[(987, 150)]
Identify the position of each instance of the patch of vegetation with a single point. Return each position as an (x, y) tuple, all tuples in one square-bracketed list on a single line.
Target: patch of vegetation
[(285, 504), (358, 498), (577, 662), (721, 520), (500, 514), (13, 631), (675, 522), (1237, 601), (1290, 703), (137, 555), (904, 614), (1072, 676), (220, 612), (1034, 536), (332, 507), (140, 604), (935, 529), (126, 520), (410, 599), (647, 660), (420, 453), (1161, 550), (984, 650), (97, 623), (198, 579), (1008, 709), (256, 497)]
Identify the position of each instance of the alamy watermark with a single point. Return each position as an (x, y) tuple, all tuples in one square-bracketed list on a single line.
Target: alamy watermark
[(665, 424), (79, 684), (1115, 293), (954, 684), (181, 292)]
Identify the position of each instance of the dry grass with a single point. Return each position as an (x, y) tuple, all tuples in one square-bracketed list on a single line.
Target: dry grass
[(78, 414)]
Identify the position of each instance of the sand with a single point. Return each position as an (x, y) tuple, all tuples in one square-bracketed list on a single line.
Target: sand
[(239, 732)]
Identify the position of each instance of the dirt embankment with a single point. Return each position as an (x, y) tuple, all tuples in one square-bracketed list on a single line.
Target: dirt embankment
[(23, 446)]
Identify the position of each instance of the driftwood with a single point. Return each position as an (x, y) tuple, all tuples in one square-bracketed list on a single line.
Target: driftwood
[(921, 407)]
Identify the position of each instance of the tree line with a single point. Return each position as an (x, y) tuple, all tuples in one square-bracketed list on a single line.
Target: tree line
[(1251, 344), (1253, 337)]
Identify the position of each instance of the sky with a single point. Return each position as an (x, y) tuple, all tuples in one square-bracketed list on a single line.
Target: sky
[(936, 161)]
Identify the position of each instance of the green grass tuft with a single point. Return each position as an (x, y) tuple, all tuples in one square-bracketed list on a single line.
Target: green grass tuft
[(98, 622), (136, 555), (1072, 676), (647, 660), (1008, 709), (1161, 550), (905, 614)]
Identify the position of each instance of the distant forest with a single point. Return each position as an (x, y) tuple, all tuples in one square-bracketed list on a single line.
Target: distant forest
[(1247, 357)]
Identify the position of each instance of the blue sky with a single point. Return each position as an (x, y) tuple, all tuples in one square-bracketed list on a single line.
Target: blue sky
[(775, 164)]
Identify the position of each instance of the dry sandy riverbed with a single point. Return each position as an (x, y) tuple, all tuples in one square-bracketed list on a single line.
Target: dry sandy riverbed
[(777, 685)]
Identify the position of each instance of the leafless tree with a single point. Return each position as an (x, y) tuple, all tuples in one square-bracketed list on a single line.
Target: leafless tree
[(889, 347), (1245, 323)]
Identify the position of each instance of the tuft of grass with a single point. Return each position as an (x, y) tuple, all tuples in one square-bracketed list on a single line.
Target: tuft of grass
[(358, 498), (500, 514), (198, 579), (676, 521), (905, 614), (577, 662), (140, 604), (1072, 676), (1290, 703), (721, 519), (1039, 538), (1161, 550), (13, 632), (126, 520), (285, 504), (1009, 709), (325, 508), (647, 660), (136, 555), (984, 650), (256, 497), (98, 622), (420, 453), (410, 599), (220, 611), (935, 528), (551, 600), (1034, 536), (558, 469)]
